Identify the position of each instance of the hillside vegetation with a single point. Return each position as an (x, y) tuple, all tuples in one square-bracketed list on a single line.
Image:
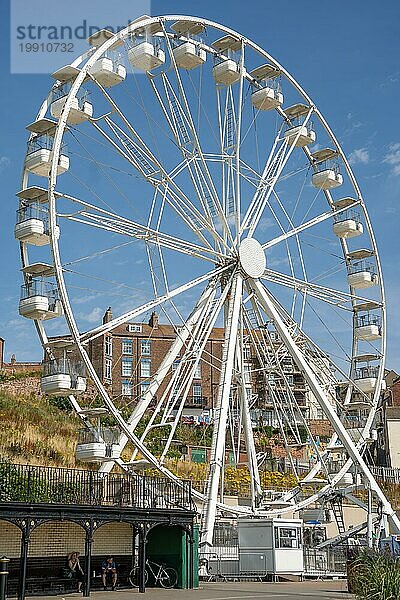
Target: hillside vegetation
[(33, 429)]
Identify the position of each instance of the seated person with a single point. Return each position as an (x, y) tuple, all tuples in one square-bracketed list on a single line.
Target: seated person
[(74, 569), (109, 569)]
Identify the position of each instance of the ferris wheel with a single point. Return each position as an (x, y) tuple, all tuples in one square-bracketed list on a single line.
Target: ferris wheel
[(178, 166)]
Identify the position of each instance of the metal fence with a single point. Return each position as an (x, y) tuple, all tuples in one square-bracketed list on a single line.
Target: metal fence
[(230, 563), (51, 485), (326, 562), (389, 474)]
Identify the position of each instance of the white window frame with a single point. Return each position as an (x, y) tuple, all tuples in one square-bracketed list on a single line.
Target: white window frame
[(126, 343), (134, 328), (146, 373), (108, 369), (145, 347), (124, 363), (126, 385), (108, 346)]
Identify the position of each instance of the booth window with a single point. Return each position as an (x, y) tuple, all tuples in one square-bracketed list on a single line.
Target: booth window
[(286, 537)]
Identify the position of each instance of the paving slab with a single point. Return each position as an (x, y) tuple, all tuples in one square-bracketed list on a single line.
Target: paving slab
[(240, 590)]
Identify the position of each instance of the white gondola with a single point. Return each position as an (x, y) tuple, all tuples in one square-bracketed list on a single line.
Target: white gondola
[(268, 94), (32, 225), (189, 54), (40, 145), (108, 69), (347, 224), (368, 327), (80, 110), (366, 378), (145, 52), (97, 443), (297, 133), (39, 297), (64, 374), (362, 275), (326, 175), (226, 70), (300, 136)]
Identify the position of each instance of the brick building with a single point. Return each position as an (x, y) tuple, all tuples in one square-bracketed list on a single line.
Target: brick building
[(127, 358), (15, 366)]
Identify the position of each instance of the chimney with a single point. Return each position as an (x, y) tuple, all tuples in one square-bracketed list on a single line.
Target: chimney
[(107, 316), (153, 321)]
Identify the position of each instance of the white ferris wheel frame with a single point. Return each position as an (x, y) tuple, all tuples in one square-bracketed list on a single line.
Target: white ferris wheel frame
[(254, 287)]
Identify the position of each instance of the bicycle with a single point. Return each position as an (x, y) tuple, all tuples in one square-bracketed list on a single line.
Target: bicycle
[(167, 577)]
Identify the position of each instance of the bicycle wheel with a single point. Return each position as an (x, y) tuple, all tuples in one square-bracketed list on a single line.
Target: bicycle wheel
[(168, 577), (134, 576)]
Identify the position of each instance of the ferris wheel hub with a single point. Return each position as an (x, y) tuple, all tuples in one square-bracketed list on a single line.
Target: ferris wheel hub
[(252, 257)]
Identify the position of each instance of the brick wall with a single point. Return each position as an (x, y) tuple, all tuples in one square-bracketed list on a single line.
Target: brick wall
[(58, 538), (10, 540)]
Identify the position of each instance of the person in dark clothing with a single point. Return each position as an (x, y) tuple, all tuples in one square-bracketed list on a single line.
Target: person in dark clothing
[(75, 568), (109, 569)]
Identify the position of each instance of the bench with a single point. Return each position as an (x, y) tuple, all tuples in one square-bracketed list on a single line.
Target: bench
[(45, 575)]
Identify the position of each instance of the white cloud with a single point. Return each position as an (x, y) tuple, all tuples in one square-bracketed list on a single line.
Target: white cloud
[(4, 163), (93, 316), (392, 158), (359, 156)]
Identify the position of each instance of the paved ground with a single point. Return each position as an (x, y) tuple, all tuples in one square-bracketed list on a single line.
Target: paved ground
[(307, 590)]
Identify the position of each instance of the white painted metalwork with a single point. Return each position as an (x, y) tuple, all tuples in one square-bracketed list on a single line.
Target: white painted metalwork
[(169, 174)]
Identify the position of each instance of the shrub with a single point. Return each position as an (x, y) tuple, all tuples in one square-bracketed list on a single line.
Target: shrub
[(375, 576)]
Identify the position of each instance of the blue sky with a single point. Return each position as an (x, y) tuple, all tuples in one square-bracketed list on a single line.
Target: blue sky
[(345, 56)]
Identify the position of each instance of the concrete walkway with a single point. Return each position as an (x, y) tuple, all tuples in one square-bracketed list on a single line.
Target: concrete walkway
[(307, 590)]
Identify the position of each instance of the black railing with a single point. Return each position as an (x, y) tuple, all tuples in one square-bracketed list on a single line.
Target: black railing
[(53, 485)]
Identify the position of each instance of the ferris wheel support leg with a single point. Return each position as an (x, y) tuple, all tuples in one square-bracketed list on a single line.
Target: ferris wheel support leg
[(266, 300), (221, 417)]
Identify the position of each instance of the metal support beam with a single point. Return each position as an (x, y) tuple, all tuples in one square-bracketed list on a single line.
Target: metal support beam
[(142, 559), (224, 392), (88, 561), (25, 539)]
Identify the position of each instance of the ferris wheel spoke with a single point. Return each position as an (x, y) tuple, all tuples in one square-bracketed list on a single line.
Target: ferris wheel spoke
[(126, 227), (179, 117), (222, 409), (152, 171), (275, 164), (134, 149), (304, 226), (136, 312), (332, 296)]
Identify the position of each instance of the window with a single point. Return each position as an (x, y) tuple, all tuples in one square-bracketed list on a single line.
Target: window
[(197, 394), (246, 353), (175, 365), (108, 346), (134, 328), (108, 369), (145, 347), (197, 373), (286, 537), (246, 373), (127, 367), (145, 367), (127, 347), (144, 386), (127, 387)]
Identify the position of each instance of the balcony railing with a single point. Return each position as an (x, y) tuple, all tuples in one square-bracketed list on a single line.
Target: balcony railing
[(51, 485)]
